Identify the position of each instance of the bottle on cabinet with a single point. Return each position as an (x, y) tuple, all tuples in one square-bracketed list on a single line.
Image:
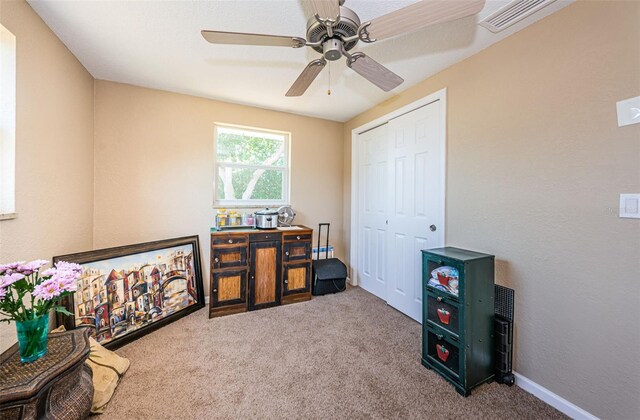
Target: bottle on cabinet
[(221, 218)]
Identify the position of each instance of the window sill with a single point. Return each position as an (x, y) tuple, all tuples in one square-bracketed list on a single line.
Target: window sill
[(8, 216)]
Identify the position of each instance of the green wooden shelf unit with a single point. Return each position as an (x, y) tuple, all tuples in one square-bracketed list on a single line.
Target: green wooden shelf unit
[(457, 330)]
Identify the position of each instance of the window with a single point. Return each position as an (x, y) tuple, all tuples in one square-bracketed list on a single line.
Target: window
[(251, 167), (7, 123)]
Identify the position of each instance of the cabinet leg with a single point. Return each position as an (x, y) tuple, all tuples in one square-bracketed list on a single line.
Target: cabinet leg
[(463, 392)]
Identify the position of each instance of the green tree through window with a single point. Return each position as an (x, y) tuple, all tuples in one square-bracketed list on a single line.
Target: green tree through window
[(251, 166)]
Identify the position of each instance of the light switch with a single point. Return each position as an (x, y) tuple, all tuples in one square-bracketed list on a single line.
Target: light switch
[(628, 111), (630, 205)]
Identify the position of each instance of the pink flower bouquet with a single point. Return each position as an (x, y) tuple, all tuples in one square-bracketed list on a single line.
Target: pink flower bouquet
[(28, 291)]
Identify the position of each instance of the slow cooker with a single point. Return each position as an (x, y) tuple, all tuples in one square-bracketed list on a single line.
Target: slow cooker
[(267, 219)]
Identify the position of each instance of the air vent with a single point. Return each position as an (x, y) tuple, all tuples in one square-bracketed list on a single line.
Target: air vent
[(512, 13)]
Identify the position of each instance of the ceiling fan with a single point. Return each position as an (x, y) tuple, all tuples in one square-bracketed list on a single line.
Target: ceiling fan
[(334, 30)]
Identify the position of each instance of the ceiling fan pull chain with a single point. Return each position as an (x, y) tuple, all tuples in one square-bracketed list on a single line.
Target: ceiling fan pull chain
[(329, 90)]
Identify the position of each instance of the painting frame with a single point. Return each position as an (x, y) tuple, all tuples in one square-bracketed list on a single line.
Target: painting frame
[(107, 254)]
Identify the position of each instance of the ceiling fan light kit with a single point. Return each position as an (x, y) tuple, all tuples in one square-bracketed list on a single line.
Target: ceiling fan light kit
[(334, 30)]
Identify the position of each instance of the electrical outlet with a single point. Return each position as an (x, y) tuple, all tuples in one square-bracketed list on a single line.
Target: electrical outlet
[(628, 111), (630, 206)]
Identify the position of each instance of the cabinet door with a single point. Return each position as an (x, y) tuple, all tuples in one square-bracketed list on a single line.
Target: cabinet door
[(297, 278), (443, 312), (297, 251), (446, 353), (265, 274), (229, 288), (228, 257)]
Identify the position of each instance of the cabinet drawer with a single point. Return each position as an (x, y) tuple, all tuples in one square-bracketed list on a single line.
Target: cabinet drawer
[(297, 236), (297, 251), (443, 351), (226, 239), (229, 288), (269, 236), (443, 312), (224, 257)]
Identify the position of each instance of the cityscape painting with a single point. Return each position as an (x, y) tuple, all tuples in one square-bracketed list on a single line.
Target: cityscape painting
[(127, 291)]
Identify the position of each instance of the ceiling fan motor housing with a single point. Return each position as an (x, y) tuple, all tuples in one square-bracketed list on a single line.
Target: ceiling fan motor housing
[(332, 49), (347, 26)]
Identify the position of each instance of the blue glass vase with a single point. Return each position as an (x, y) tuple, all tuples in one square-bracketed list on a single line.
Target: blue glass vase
[(32, 338)]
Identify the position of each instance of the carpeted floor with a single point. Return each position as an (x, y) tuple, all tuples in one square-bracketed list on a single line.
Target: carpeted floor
[(339, 356)]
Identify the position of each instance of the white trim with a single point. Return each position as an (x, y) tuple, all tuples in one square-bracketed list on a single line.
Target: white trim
[(554, 400), (441, 96), (7, 124)]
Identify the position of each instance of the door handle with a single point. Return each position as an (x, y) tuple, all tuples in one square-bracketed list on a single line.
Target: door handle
[(432, 228)]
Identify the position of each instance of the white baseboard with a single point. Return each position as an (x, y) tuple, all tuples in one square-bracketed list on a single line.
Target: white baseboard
[(554, 400), (206, 300)]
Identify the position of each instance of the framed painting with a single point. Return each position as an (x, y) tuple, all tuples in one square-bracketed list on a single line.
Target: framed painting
[(128, 291)]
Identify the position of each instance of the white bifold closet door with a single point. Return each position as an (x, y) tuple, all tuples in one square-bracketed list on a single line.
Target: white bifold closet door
[(401, 205), (373, 192)]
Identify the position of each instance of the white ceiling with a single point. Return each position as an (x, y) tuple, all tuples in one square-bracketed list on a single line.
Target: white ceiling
[(157, 44)]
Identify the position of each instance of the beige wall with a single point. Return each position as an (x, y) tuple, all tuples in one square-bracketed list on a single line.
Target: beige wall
[(535, 167), (54, 147), (154, 165)]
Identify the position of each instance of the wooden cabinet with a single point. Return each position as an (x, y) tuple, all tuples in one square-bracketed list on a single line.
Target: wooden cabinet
[(255, 269), (457, 329), (229, 274), (296, 277)]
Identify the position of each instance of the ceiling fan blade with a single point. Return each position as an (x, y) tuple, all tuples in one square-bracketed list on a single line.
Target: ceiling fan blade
[(421, 14), (307, 76), (239, 38), (374, 72), (326, 9)]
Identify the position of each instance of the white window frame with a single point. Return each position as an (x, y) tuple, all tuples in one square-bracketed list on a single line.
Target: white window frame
[(7, 124), (286, 175)]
